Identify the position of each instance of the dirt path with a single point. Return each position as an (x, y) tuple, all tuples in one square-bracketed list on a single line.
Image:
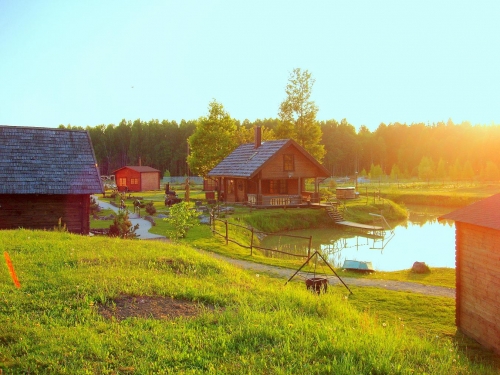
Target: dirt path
[(286, 273)]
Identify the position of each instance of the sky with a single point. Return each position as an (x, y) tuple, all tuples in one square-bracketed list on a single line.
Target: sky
[(98, 62)]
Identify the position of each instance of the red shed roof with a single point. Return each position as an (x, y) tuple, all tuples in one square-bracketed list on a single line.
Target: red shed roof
[(137, 168), (484, 213)]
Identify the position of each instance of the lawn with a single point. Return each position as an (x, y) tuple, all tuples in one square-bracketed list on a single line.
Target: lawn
[(71, 316)]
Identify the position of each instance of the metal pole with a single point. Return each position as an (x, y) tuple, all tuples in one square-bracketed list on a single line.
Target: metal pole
[(227, 234), (251, 244)]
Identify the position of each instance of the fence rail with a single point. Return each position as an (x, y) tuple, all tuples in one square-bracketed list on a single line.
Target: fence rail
[(254, 232)]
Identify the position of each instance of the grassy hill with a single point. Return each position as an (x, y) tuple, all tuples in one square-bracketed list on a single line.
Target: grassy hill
[(109, 306)]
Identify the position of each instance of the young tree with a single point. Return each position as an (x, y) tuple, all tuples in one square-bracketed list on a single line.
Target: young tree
[(298, 114), (213, 139)]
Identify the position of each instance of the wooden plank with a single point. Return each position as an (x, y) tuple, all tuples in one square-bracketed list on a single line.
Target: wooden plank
[(358, 225)]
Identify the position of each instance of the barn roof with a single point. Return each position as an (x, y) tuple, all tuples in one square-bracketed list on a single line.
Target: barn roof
[(484, 213), (47, 161), (246, 161), (137, 168)]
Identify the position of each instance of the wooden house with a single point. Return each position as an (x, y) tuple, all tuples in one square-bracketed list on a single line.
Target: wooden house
[(477, 246), (46, 174), (137, 178), (270, 173)]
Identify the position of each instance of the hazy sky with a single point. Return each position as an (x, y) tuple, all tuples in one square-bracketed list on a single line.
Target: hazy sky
[(98, 62)]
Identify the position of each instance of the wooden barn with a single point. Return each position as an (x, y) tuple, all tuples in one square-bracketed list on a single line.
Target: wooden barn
[(271, 173), (46, 174), (477, 246), (137, 178)]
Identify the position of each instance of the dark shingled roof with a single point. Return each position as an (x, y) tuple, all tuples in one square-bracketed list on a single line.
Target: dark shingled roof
[(139, 169), (246, 160), (47, 161), (484, 213)]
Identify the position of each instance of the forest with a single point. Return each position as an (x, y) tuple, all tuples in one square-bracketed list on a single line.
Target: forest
[(440, 150)]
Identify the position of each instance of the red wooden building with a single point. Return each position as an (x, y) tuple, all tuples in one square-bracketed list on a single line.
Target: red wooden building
[(477, 246), (271, 173), (137, 178), (46, 174)]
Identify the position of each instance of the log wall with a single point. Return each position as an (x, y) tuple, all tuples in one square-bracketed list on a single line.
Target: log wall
[(32, 211), (478, 283)]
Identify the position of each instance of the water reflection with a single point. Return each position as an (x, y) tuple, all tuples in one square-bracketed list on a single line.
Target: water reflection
[(420, 238)]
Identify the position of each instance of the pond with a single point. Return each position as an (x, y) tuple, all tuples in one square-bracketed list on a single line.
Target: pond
[(420, 238)]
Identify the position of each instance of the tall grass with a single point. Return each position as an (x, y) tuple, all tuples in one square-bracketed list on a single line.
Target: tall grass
[(257, 326)]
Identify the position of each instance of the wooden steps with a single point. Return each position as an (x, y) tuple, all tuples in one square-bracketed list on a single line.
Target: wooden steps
[(334, 213)]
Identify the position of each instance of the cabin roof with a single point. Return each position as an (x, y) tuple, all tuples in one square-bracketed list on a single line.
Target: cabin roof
[(247, 160), (484, 213), (47, 161), (137, 168)]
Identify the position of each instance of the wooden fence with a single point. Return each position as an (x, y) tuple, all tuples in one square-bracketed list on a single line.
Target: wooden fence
[(252, 233)]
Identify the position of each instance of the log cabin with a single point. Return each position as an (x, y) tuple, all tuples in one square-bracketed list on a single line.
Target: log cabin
[(46, 174), (477, 251), (268, 174), (137, 178)]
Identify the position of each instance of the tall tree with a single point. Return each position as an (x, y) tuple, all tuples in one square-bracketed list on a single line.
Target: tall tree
[(213, 139), (298, 114)]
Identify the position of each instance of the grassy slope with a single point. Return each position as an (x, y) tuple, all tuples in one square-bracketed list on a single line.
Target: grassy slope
[(51, 324)]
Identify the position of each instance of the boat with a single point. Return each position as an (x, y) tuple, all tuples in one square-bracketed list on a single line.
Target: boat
[(357, 265)]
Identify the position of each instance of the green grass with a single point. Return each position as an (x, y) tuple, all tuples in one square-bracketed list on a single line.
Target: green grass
[(259, 326)]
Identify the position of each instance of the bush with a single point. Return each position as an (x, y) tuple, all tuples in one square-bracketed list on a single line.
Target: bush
[(122, 226), (150, 208), (182, 218)]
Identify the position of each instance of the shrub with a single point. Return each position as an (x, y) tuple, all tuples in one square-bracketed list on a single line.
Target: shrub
[(182, 218), (122, 226), (150, 208)]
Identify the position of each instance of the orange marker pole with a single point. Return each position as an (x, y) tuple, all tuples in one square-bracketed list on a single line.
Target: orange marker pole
[(11, 269)]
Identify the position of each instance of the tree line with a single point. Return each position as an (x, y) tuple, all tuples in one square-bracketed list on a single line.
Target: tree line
[(397, 150), (429, 151)]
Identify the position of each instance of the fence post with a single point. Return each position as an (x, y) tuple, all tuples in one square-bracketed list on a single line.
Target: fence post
[(227, 234), (251, 244)]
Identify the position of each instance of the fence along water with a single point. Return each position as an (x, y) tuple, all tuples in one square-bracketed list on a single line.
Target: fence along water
[(223, 230)]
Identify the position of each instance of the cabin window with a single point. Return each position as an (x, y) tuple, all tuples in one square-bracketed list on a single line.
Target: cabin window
[(122, 181), (277, 187), (134, 181), (288, 164)]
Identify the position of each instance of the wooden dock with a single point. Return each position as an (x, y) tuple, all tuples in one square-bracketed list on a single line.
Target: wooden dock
[(359, 226)]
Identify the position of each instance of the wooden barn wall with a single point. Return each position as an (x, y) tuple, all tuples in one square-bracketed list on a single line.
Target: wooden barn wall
[(43, 212), (129, 174), (150, 181), (303, 166), (478, 283)]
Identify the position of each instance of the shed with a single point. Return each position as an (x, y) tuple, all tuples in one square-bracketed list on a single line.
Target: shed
[(270, 173), (345, 193), (477, 247), (46, 174), (137, 178)]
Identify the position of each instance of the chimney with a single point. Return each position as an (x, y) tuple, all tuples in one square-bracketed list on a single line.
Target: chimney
[(140, 162), (257, 137)]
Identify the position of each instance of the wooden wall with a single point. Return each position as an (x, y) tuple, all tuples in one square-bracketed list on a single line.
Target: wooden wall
[(33, 211), (478, 283), (150, 181), (128, 174), (303, 166)]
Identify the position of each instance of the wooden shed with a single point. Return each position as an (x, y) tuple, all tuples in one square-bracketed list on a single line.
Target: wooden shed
[(137, 178), (477, 246), (270, 173), (46, 174)]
